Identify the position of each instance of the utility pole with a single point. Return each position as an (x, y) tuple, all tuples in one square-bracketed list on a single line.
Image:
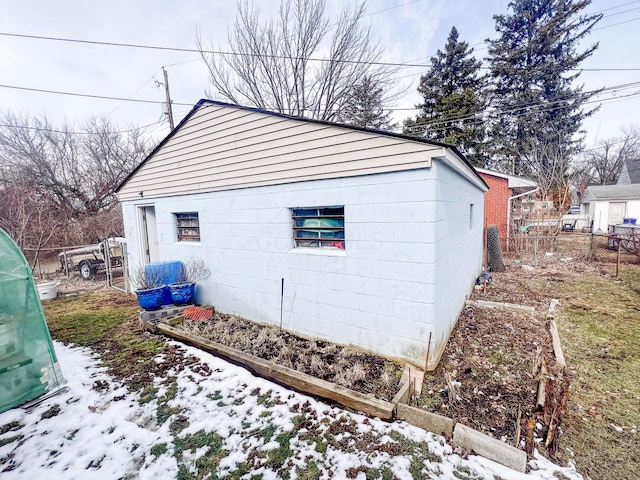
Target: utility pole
[(169, 111)]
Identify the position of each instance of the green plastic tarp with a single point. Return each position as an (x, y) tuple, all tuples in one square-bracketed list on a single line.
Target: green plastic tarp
[(28, 362)]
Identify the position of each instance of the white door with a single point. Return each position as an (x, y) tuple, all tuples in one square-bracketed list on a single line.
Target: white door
[(616, 212), (148, 234)]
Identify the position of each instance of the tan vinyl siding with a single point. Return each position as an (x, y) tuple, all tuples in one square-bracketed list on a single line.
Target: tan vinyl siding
[(222, 148)]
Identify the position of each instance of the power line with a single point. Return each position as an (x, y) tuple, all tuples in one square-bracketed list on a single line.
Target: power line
[(87, 95), (390, 8), (281, 57), (613, 88), (53, 130), (476, 120), (523, 106), (616, 24), (136, 91), (548, 106)]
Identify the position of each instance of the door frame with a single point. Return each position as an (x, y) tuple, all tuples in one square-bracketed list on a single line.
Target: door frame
[(148, 238)]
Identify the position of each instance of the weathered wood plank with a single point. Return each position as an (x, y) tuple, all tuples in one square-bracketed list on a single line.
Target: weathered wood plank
[(285, 376), (489, 447), (431, 422), (403, 394), (542, 386), (555, 340), (507, 306)]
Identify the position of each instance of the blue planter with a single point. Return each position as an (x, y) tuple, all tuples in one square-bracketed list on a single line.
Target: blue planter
[(163, 273), (181, 292), (150, 298)]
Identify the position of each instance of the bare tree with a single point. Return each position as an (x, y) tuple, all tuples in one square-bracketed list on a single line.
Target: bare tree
[(549, 165), (76, 170), (270, 66), (602, 165), (29, 218), (53, 177)]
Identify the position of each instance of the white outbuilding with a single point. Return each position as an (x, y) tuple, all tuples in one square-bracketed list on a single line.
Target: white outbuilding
[(334, 232), (608, 205)]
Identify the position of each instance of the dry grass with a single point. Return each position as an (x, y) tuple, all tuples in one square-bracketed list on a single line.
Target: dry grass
[(599, 323), (345, 365), (600, 326)]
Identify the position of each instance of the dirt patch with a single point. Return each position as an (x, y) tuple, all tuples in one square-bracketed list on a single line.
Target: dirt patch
[(347, 366), (491, 359), (488, 376)]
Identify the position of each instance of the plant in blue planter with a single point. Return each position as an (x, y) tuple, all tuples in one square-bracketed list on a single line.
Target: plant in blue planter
[(150, 288), (150, 298), (192, 271)]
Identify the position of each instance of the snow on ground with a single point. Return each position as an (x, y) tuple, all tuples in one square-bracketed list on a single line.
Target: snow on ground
[(97, 430)]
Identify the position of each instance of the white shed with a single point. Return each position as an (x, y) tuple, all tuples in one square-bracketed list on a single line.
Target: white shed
[(376, 236), (611, 205)]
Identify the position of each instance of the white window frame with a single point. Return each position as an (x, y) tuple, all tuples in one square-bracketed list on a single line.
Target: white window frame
[(188, 226)]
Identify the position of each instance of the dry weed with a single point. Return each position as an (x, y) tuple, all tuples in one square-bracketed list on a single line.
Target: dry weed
[(316, 365)]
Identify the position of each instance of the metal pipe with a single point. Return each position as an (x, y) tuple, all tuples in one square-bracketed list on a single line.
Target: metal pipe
[(509, 210)]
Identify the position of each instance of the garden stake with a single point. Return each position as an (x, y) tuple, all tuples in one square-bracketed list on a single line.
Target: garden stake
[(281, 300)]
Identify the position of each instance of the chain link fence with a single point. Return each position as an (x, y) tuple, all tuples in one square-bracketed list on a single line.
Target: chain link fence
[(605, 248)]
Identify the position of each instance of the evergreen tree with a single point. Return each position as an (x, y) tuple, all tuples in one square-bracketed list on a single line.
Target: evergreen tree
[(364, 107), (534, 65), (453, 100)]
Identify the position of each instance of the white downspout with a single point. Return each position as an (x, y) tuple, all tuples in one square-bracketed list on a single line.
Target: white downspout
[(509, 211)]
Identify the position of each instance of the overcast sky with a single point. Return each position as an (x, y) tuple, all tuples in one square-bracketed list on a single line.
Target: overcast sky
[(410, 31)]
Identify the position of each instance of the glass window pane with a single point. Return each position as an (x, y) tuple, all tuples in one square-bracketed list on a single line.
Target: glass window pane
[(305, 212), (332, 211), (332, 234), (318, 227), (307, 234)]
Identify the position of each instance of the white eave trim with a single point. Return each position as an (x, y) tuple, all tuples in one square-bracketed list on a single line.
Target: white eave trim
[(513, 181), (461, 167)]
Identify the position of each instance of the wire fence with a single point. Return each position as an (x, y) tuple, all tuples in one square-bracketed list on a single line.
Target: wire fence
[(590, 247), (97, 263)]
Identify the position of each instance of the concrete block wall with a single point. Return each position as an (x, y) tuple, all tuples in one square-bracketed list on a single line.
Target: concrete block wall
[(379, 293), (458, 252)]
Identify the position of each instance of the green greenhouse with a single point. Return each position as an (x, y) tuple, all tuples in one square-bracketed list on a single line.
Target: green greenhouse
[(28, 363)]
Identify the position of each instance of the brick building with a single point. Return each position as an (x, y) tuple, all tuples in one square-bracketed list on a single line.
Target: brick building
[(503, 189)]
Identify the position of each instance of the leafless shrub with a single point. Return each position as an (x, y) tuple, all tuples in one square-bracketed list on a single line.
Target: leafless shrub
[(193, 270), (331, 349), (144, 278), (232, 322), (226, 337), (241, 340), (73, 169)]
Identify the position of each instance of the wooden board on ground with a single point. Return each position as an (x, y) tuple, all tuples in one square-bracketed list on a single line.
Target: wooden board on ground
[(286, 376)]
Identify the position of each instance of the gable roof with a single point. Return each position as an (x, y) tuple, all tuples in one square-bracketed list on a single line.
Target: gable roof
[(611, 192), (213, 132), (630, 172)]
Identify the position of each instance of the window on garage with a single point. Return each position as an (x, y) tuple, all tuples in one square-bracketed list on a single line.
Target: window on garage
[(188, 227), (318, 227)]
